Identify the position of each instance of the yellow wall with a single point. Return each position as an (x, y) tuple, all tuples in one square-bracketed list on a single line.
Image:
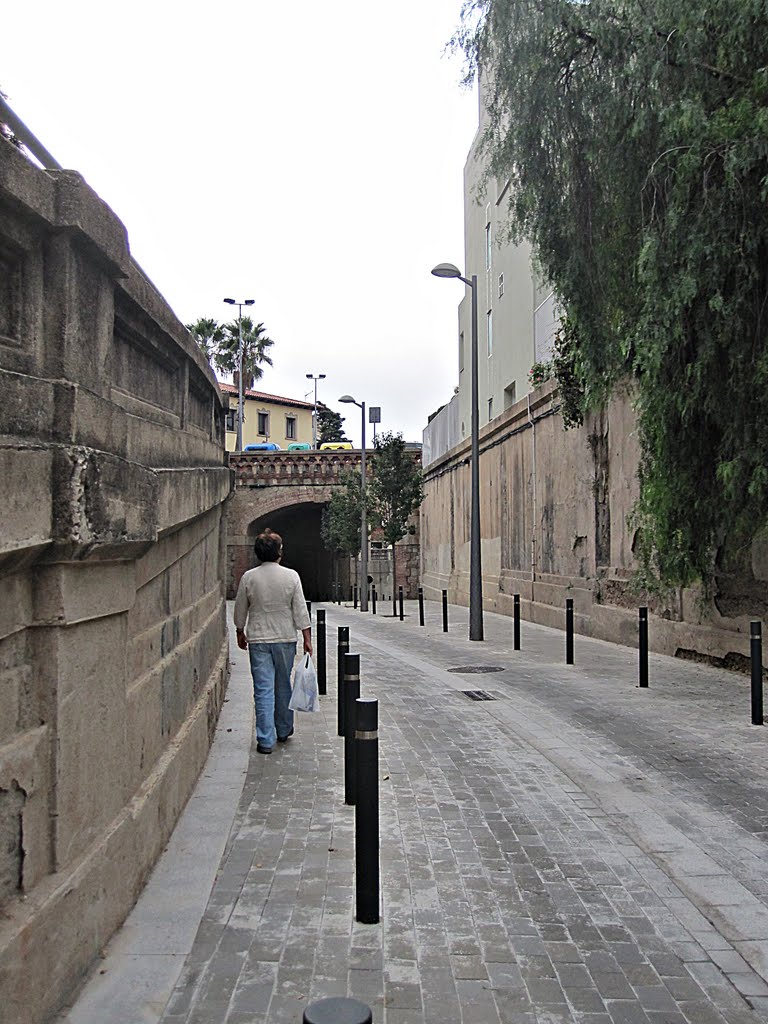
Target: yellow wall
[(277, 423)]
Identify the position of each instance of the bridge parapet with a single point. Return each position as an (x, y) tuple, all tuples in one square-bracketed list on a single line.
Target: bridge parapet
[(270, 469)]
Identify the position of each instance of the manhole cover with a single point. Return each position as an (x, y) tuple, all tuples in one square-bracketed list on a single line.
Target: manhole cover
[(475, 670), (478, 695)]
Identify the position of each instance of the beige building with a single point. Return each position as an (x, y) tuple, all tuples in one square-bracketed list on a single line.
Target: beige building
[(516, 314), (266, 417)]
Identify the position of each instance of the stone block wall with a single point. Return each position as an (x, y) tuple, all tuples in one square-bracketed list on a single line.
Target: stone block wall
[(554, 524), (113, 654)]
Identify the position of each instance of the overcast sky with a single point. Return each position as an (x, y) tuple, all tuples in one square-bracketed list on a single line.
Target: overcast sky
[(307, 155)]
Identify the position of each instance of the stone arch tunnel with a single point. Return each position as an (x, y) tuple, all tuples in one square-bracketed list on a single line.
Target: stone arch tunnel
[(303, 550)]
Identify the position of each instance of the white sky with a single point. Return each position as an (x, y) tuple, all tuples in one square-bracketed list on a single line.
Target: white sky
[(307, 155)]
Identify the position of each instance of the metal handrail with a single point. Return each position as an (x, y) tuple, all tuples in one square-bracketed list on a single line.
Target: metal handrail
[(30, 141)]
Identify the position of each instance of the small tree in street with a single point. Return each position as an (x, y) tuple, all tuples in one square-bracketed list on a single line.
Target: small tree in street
[(329, 426), (395, 490), (340, 522)]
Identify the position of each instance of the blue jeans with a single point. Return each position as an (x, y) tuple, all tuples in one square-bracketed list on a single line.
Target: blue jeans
[(271, 666)]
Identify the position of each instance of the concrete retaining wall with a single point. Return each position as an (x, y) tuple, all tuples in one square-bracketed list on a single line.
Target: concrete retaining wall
[(113, 653), (554, 508)]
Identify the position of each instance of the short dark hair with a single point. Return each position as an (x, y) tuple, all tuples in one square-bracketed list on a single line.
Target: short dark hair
[(268, 546)]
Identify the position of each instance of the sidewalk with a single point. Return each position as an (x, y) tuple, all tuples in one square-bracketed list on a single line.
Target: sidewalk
[(572, 850)]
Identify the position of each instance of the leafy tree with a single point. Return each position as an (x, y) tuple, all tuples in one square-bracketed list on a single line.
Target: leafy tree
[(256, 347), (208, 334), (341, 518), (634, 137), (329, 425), (395, 489)]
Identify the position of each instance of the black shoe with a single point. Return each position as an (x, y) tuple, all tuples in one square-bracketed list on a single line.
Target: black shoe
[(263, 750), (284, 739)]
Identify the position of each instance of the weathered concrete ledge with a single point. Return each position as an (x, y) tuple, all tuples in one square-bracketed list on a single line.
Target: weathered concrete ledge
[(113, 649)]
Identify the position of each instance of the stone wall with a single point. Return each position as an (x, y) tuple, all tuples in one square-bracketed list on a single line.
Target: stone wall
[(113, 655), (554, 524)]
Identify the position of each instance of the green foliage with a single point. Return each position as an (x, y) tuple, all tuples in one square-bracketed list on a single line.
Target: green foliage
[(208, 334), (220, 343), (396, 490), (634, 137), (341, 518), (329, 425)]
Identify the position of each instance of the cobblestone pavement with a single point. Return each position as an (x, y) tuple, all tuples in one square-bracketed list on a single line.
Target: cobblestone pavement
[(574, 850)]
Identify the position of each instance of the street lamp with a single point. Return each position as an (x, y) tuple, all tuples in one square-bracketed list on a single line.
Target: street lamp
[(363, 521), (315, 378), (234, 302), (475, 569)]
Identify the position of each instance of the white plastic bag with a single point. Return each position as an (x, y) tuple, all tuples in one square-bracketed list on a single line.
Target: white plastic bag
[(305, 696)]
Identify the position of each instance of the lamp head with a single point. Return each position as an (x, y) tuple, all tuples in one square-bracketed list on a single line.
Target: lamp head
[(321, 376), (249, 302), (348, 399), (231, 302), (446, 270)]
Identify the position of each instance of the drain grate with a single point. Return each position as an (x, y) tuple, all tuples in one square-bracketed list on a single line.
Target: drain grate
[(478, 695), (473, 670)]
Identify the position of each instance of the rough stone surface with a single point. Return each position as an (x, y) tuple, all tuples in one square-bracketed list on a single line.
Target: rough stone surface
[(113, 650), (554, 525)]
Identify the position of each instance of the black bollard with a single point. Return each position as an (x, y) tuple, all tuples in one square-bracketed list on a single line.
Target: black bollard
[(445, 611), (756, 652), (373, 600), (516, 623), (569, 631), (394, 603), (367, 811), (351, 691), (354, 597), (400, 601), (341, 650), (421, 606), (337, 1010), (322, 675), (642, 647)]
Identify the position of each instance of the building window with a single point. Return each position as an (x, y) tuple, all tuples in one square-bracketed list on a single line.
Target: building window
[(461, 352), (290, 428), (501, 285), (490, 408), (231, 419), (510, 395), (489, 331), (264, 424)]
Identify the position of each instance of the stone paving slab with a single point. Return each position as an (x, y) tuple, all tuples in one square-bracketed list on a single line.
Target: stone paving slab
[(575, 850)]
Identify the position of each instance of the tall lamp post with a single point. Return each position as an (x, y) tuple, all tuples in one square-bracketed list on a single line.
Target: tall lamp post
[(475, 568), (315, 378), (234, 302), (363, 519)]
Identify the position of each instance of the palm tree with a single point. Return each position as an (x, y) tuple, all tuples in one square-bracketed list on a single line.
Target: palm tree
[(208, 334), (256, 347)]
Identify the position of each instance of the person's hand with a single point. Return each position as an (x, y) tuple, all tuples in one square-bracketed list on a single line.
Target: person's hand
[(308, 647), (242, 641)]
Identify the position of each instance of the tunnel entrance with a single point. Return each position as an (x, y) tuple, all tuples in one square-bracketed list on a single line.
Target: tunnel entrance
[(303, 549)]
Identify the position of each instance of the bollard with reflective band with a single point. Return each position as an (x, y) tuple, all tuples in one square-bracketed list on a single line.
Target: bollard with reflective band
[(569, 631), (516, 623), (400, 601), (642, 647), (445, 611), (421, 606), (322, 676), (367, 811), (351, 691), (756, 655), (373, 600), (337, 1010), (341, 650)]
